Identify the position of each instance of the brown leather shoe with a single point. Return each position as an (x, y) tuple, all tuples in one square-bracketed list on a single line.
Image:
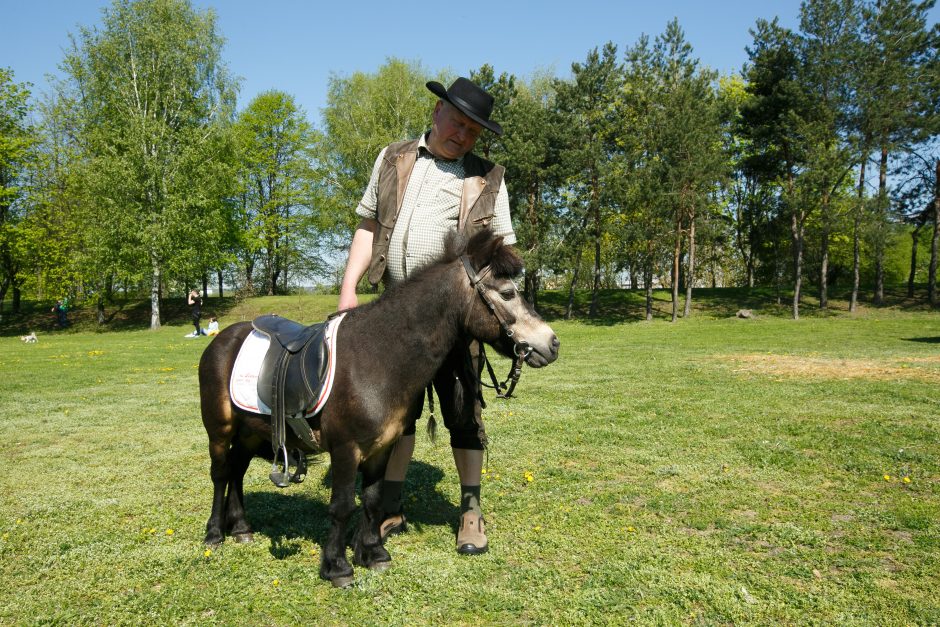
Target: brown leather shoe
[(471, 537), (393, 525)]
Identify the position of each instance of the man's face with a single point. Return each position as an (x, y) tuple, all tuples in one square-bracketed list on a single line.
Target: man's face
[(453, 134)]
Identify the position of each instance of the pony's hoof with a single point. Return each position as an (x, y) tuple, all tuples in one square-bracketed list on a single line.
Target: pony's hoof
[(380, 567), (342, 582), (244, 538)]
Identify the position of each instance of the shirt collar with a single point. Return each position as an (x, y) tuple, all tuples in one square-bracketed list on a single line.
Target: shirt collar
[(423, 150)]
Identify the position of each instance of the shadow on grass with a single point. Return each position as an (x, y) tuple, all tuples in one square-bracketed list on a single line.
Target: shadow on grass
[(287, 517), (923, 340)]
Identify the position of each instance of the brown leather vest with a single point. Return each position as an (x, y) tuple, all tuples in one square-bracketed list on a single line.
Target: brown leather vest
[(477, 201)]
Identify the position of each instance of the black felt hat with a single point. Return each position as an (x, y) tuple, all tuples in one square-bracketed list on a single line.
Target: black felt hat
[(475, 103)]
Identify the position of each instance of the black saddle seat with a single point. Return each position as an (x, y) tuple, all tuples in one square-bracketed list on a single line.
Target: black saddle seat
[(291, 375)]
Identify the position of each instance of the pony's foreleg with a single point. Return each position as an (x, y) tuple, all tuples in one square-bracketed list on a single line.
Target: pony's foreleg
[(333, 565), (368, 550)]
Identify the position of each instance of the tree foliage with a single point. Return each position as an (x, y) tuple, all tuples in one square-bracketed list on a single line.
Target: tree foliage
[(642, 168)]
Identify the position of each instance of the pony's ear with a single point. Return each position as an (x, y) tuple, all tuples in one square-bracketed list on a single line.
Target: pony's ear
[(483, 247)]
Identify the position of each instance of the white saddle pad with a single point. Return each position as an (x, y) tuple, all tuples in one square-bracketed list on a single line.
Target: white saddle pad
[(244, 384)]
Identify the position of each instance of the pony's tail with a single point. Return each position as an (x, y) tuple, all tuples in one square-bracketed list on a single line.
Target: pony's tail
[(432, 422)]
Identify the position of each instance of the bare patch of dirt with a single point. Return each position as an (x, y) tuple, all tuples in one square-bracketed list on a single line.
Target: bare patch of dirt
[(803, 367)]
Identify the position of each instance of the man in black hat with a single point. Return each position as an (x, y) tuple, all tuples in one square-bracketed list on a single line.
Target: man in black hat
[(446, 187)]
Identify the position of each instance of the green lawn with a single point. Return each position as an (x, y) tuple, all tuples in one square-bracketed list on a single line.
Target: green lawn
[(711, 471)]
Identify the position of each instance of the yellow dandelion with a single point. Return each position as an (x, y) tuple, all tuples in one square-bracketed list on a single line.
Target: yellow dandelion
[(169, 532), (207, 553), (887, 477), (152, 530), (907, 479), (483, 472), (537, 527), (630, 529), (528, 476), (276, 582), (19, 521)]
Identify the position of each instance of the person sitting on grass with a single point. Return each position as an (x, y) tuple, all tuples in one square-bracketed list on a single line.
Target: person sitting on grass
[(213, 326)]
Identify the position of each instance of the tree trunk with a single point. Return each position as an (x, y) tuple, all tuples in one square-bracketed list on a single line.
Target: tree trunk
[(569, 312), (219, 274), (690, 275), (577, 269), (205, 284), (915, 237), (796, 226), (934, 242), (676, 254), (824, 256), (154, 293), (595, 291), (856, 237), (882, 228)]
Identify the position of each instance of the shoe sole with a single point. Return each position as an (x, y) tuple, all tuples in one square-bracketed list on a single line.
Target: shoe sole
[(395, 530), (472, 549)]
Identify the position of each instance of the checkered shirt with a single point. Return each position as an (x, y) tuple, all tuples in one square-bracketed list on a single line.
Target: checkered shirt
[(429, 211)]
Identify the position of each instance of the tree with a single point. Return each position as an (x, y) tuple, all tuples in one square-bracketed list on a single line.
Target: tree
[(688, 147), (364, 113), (643, 221), (774, 119), (586, 106), (828, 43), (17, 138), (153, 97), (276, 152), (898, 98), (529, 150)]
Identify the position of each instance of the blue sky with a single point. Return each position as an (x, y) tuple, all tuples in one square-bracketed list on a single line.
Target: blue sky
[(295, 46)]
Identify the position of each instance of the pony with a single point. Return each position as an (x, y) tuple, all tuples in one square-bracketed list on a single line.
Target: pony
[(387, 352)]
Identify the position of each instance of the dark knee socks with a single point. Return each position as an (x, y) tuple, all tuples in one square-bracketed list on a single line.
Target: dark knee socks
[(470, 499), (391, 496)]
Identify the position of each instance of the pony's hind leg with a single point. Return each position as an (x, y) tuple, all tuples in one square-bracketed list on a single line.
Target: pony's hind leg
[(368, 550), (214, 533), (236, 524)]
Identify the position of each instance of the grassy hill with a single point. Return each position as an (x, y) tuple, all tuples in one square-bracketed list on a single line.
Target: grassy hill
[(615, 306)]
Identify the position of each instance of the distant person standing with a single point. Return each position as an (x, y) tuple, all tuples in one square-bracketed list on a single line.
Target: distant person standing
[(61, 313), (195, 305)]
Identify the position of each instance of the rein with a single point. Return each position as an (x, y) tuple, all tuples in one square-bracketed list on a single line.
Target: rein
[(520, 348)]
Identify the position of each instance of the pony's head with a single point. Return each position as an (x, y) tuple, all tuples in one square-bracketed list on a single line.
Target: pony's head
[(496, 311)]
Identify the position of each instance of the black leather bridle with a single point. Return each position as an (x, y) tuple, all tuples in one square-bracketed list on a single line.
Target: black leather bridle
[(521, 348)]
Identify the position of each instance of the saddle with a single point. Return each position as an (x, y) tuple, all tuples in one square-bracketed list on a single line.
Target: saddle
[(289, 382)]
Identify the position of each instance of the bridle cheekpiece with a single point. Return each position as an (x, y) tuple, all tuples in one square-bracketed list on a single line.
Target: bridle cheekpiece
[(521, 348)]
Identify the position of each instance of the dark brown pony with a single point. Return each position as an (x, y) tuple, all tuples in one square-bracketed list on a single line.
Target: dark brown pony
[(387, 353)]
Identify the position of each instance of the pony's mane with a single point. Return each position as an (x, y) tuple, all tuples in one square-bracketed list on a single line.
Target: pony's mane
[(505, 262)]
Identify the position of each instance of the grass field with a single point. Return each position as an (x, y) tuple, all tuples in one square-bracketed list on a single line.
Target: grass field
[(711, 471)]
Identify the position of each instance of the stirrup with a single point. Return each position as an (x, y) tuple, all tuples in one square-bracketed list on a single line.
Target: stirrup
[(280, 478)]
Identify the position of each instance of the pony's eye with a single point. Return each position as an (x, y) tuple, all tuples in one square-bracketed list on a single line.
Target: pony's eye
[(507, 294)]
